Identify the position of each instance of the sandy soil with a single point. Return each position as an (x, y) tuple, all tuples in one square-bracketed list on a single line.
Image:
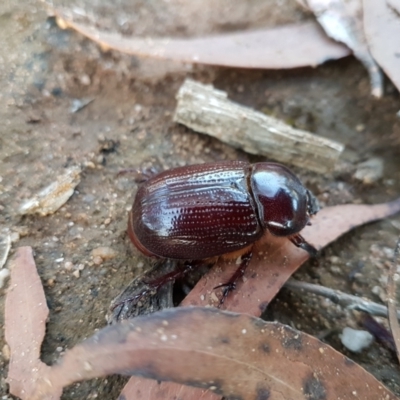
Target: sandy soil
[(43, 69)]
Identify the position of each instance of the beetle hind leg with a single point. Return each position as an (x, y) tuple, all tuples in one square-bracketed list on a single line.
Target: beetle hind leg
[(231, 284), (147, 287), (179, 272)]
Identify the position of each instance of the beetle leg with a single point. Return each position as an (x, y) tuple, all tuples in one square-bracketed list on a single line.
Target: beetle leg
[(153, 285), (144, 173), (231, 284), (138, 175), (300, 242), (179, 272)]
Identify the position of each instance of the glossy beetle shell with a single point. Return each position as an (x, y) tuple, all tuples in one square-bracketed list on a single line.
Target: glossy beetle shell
[(206, 210)]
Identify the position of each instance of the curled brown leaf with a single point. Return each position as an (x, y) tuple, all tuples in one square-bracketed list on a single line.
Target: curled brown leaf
[(287, 46), (25, 325), (232, 355)]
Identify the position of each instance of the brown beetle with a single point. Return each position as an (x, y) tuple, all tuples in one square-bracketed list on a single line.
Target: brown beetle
[(201, 211)]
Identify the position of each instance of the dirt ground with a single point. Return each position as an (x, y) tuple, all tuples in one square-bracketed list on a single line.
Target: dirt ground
[(43, 69)]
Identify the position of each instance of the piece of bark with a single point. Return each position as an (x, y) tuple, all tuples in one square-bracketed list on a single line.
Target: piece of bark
[(55, 195), (208, 110), (344, 300)]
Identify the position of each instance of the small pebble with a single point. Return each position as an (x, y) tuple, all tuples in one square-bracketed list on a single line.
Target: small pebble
[(370, 171), (355, 340), (14, 236), (89, 164), (4, 274), (6, 352), (97, 260), (88, 198), (85, 79), (335, 270), (76, 273), (22, 230), (214, 297), (105, 253), (335, 260), (360, 127), (68, 265), (51, 282), (380, 292)]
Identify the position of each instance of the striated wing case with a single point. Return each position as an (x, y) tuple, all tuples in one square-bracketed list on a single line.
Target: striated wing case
[(195, 212)]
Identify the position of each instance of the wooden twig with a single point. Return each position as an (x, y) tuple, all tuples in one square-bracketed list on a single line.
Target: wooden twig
[(343, 299), (208, 110), (393, 277)]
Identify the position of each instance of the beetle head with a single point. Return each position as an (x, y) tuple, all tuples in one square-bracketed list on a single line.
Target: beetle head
[(284, 205)]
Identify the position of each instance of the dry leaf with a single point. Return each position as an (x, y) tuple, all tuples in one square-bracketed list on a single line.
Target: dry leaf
[(382, 28), (25, 324), (232, 355), (288, 46), (342, 21), (264, 277)]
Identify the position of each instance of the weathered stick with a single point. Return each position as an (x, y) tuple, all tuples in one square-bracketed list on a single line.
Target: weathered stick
[(207, 110), (343, 299)]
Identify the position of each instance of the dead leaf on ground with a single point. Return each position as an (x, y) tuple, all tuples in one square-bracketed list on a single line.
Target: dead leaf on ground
[(233, 355), (382, 28), (25, 324), (274, 261), (26, 307), (342, 21), (287, 46)]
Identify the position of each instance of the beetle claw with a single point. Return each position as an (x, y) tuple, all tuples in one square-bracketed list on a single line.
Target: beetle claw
[(231, 284), (300, 242), (228, 287)]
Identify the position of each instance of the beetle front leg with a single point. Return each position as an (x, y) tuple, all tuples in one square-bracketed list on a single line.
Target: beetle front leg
[(300, 242), (231, 284)]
